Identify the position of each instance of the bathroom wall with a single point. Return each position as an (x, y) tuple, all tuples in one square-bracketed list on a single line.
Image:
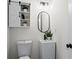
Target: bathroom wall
[(60, 25), (62, 18)]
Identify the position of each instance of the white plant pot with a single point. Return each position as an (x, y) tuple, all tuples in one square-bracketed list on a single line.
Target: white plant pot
[(48, 38)]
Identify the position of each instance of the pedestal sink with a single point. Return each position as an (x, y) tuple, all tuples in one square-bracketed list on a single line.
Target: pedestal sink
[(47, 49)]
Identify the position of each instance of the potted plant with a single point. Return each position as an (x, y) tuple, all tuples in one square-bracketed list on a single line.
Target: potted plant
[(48, 35)]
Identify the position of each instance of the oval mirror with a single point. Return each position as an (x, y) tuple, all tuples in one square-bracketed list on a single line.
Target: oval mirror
[(43, 21)]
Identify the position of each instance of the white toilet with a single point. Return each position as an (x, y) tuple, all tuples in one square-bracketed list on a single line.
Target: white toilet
[(24, 49)]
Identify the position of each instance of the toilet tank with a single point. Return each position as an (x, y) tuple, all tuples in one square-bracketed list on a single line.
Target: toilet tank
[(24, 48)]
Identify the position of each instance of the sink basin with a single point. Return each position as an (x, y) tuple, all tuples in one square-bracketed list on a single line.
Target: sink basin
[(47, 41), (47, 49)]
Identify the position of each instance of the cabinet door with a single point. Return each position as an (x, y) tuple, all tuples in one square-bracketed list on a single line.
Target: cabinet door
[(14, 19)]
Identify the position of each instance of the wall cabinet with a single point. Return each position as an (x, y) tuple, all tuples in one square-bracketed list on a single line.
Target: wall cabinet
[(19, 14)]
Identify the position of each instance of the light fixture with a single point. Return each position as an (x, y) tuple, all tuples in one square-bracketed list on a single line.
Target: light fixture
[(44, 3)]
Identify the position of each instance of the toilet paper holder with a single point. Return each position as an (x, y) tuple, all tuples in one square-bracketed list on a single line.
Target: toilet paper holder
[(69, 45)]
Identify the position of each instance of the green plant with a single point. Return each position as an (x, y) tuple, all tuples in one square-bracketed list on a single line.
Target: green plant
[(48, 34)]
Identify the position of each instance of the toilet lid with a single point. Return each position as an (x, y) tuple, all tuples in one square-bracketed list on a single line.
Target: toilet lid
[(25, 57)]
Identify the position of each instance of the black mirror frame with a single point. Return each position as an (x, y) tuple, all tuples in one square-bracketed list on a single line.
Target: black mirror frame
[(41, 25)]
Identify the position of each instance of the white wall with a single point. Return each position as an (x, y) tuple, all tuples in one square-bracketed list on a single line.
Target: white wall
[(63, 24), (59, 20)]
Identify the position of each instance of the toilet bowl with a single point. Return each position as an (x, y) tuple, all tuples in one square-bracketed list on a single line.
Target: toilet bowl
[(24, 49), (25, 57)]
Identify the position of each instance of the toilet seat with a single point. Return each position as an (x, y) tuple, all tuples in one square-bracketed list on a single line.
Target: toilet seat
[(25, 57)]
